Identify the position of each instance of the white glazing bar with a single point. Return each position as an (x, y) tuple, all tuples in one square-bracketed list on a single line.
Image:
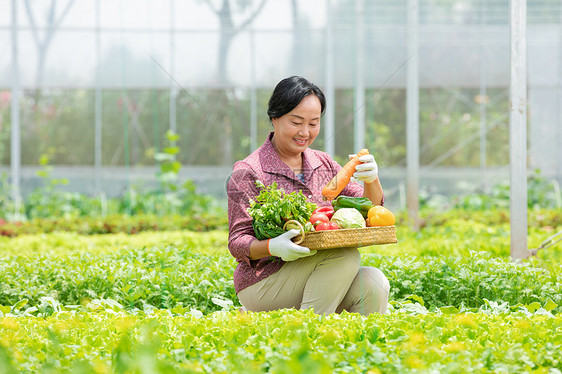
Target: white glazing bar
[(329, 91), (15, 139), (253, 93), (483, 96), (559, 128), (518, 131), (413, 118), (359, 106), (98, 107), (173, 88)]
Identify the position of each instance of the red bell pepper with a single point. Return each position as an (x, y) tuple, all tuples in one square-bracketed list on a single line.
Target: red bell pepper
[(327, 210)]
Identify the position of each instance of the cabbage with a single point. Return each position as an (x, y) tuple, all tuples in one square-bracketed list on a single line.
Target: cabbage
[(348, 218)]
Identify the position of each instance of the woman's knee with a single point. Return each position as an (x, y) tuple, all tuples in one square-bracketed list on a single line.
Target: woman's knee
[(375, 280), (350, 260), (368, 293)]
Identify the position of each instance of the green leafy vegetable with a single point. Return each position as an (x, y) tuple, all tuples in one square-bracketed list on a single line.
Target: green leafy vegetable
[(273, 207)]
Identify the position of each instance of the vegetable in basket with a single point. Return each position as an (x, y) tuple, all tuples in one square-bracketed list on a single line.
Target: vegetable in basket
[(327, 210), (349, 218), (362, 204), (380, 216), (327, 226), (273, 207)]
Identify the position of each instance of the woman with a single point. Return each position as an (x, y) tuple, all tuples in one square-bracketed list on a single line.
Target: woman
[(276, 273)]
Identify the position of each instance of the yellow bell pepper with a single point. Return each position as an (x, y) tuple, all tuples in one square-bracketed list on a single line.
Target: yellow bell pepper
[(380, 216)]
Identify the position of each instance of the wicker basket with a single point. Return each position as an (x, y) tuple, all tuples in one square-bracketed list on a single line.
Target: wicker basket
[(345, 238)]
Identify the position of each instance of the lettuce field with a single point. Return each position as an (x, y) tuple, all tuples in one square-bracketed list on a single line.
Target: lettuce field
[(163, 302)]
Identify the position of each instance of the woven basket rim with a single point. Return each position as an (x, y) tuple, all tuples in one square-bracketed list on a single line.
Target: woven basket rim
[(346, 238)]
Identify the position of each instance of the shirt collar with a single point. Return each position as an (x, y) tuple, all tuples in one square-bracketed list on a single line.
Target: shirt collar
[(276, 166)]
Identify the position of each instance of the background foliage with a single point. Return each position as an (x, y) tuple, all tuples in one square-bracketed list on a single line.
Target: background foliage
[(134, 126)]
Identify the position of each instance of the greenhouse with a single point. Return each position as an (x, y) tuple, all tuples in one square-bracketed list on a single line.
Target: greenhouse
[(142, 156)]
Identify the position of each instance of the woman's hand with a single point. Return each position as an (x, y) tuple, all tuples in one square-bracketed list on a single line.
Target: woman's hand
[(367, 171), (283, 247)]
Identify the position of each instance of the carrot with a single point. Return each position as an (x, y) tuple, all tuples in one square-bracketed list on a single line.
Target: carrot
[(342, 178)]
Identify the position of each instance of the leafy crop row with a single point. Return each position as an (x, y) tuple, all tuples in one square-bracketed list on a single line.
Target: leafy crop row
[(163, 301), (202, 221), (164, 341), (61, 244), (468, 281), (457, 237), (166, 276), (162, 277)]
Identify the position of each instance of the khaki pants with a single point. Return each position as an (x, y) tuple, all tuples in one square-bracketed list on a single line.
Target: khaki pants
[(329, 281)]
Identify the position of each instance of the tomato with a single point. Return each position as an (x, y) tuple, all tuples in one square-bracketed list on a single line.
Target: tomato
[(318, 217), (323, 226), (327, 210), (327, 226), (380, 216)]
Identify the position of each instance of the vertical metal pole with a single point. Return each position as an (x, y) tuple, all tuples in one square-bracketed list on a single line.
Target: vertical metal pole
[(125, 97), (359, 107), (253, 94), (98, 107), (329, 123), (413, 117), (15, 139), (518, 131), (559, 128), (154, 87), (173, 88), (483, 94), (125, 115)]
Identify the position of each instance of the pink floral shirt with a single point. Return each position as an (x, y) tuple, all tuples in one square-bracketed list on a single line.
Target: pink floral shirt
[(264, 164)]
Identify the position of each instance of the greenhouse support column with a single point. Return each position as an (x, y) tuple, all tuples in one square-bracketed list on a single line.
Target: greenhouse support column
[(413, 117), (253, 94), (518, 131), (173, 88), (359, 107), (483, 96), (15, 140), (125, 111), (154, 83), (329, 123), (97, 107), (559, 116)]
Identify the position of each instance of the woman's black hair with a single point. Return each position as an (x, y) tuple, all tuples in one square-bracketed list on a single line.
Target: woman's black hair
[(289, 93)]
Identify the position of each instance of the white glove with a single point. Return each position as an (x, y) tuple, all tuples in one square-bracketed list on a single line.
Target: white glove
[(283, 247), (367, 171)]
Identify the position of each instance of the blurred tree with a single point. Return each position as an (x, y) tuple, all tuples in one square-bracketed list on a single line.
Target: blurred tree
[(298, 37), (129, 116), (226, 12), (53, 21), (35, 118)]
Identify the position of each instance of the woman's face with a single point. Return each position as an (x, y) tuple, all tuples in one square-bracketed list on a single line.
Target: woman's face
[(296, 130)]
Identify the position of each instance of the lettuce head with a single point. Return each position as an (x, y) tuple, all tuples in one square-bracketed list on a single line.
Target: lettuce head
[(348, 218)]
